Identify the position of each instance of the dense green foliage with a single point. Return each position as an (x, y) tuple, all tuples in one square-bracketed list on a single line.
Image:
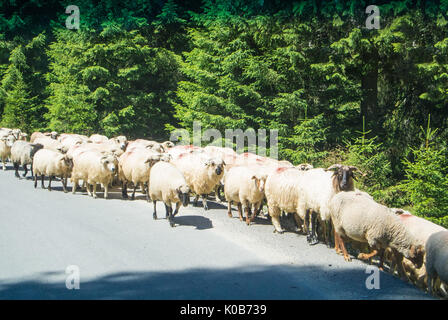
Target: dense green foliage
[(310, 69)]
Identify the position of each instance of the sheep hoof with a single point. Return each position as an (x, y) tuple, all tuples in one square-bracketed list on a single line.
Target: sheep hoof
[(154, 216), (347, 258), (278, 231)]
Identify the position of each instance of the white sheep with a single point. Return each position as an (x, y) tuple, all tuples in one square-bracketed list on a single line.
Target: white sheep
[(360, 218), (98, 138), (201, 172), (316, 188), (53, 135), (6, 143), (421, 229), (51, 144), (22, 153), (437, 259), (51, 163), (167, 183), (135, 166), (94, 167), (245, 187)]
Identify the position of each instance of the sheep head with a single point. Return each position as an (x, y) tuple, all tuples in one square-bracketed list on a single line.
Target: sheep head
[(122, 141), (9, 140), (110, 162), (260, 180), (183, 192), (343, 177), (67, 161), (304, 166), (217, 164)]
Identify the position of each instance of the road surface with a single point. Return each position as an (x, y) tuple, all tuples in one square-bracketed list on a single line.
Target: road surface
[(122, 253)]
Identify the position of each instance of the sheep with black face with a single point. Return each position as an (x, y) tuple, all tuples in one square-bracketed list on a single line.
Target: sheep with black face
[(167, 183), (202, 173)]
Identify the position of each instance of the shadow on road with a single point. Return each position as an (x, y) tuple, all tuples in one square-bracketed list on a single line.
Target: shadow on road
[(201, 223), (245, 282)]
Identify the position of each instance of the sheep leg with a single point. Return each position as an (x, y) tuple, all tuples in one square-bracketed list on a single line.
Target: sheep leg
[(274, 212), (106, 191), (169, 211), (75, 185), (4, 164), (240, 211), (16, 168), (337, 246), (229, 209), (328, 228), (64, 184), (195, 201), (35, 181), (399, 265), (177, 208), (204, 201), (42, 184), (365, 256), (344, 250), (94, 190), (25, 168), (124, 190), (298, 222), (154, 214), (312, 236), (133, 192), (49, 182), (248, 213), (88, 189)]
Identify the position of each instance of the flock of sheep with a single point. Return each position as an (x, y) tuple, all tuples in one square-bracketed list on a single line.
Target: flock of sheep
[(324, 202)]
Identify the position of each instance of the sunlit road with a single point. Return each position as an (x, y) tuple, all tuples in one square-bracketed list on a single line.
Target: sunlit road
[(122, 253)]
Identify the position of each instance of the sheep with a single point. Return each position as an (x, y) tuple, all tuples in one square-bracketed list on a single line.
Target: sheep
[(177, 151), (421, 229), (316, 188), (154, 145), (167, 183), (360, 218), (98, 138), (121, 141), (69, 140), (6, 143), (201, 172), (51, 144), (437, 258), (51, 163), (281, 191), (244, 186), (22, 153), (53, 135), (109, 146), (94, 167), (134, 166), (167, 145)]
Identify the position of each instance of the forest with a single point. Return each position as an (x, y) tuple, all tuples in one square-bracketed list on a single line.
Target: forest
[(336, 91)]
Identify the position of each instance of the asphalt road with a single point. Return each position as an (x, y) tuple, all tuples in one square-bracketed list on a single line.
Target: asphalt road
[(122, 253)]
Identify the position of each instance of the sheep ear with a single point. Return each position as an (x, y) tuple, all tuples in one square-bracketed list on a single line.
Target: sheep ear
[(223, 162)]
